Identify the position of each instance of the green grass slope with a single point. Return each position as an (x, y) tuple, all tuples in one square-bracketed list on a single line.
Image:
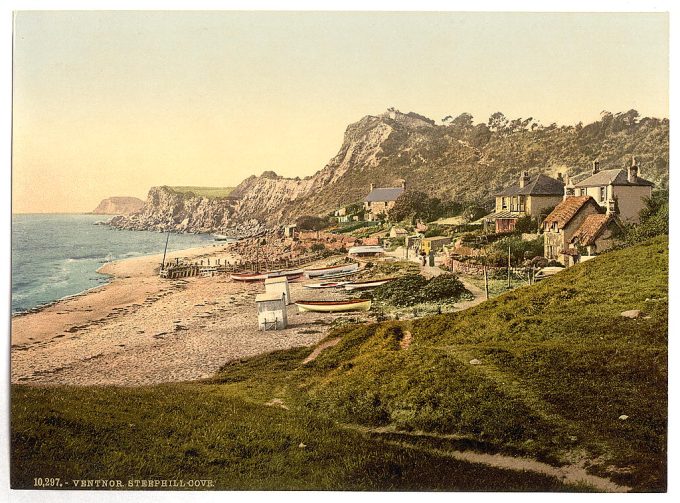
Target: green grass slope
[(557, 366)]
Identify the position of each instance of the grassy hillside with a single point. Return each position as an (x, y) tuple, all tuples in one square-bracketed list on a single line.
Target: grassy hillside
[(209, 192), (557, 366)]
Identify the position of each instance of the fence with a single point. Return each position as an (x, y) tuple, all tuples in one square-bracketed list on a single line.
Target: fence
[(185, 270)]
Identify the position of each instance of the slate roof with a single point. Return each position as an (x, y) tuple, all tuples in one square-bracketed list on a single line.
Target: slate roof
[(496, 215), (591, 228), (541, 185), (613, 177), (384, 194), (567, 209)]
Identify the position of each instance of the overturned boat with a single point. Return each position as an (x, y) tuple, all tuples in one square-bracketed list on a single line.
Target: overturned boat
[(329, 284), (363, 285), (261, 276), (335, 269), (334, 306)]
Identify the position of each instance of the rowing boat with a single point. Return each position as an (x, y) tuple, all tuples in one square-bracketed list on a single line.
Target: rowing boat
[(337, 275), (334, 306), (362, 285), (261, 276), (322, 271), (331, 284)]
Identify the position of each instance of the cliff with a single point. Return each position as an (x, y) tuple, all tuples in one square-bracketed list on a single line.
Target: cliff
[(119, 206), (454, 161), (168, 210)]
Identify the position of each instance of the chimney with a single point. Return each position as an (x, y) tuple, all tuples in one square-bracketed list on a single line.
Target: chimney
[(559, 177), (596, 167), (372, 186), (611, 207), (523, 179), (633, 172), (569, 189), (403, 184)]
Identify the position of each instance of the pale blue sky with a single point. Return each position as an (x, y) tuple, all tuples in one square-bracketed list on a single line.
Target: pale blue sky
[(111, 103)]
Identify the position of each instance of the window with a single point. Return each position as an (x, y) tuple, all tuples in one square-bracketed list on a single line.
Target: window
[(553, 226), (603, 194), (521, 203), (504, 203)]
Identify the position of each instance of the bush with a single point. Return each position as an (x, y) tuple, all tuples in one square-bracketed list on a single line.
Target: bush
[(401, 292), (318, 247), (415, 289), (443, 287)]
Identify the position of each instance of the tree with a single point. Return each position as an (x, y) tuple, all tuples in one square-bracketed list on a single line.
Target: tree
[(311, 223), (411, 204), (463, 121), (497, 122)]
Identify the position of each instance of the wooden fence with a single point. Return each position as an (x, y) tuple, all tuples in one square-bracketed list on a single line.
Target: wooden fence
[(204, 268)]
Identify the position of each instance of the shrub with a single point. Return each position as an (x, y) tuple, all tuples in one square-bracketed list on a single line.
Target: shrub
[(401, 292), (444, 287)]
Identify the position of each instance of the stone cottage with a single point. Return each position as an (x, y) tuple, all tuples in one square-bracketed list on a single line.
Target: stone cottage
[(380, 200)]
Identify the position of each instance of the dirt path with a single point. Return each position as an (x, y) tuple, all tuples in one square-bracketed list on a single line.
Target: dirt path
[(568, 474), (317, 351)]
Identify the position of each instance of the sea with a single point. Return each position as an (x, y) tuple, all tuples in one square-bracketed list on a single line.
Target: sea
[(57, 255)]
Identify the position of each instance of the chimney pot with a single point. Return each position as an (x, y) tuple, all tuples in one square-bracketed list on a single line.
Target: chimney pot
[(372, 187), (403, 184), (523, 179)]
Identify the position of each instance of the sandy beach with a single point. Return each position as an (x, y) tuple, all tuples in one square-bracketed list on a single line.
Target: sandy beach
[(140, 329)]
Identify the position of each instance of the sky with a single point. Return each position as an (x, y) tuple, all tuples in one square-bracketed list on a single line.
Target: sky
[(111, 103)]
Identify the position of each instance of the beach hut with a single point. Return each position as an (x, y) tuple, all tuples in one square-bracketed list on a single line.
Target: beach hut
[(271, 311), (278, 285)]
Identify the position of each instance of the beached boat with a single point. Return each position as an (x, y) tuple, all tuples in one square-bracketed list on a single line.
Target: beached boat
[(330, 284), (334, 306), (337, 275), (322, 271), (293, 274), (219, 237), (362, 285), (261, 276), (249, 276)]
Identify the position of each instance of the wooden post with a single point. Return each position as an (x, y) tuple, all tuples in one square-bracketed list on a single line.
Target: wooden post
[(508, 267), (486, 282)]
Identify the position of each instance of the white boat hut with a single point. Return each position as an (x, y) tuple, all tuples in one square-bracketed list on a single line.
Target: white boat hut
[(271, 311), (278, 285)]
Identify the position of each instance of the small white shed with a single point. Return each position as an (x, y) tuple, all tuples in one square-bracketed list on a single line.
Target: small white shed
[(278, 285), (271, 311)]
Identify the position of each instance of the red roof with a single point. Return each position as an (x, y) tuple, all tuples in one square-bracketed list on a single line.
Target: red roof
[(591, 228), (567, 209)]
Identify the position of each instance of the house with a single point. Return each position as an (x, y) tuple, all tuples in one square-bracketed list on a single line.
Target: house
[(398, 232), (289, 230), (434, 244), (624, 186), (380, 200), (531, 197), (578, 226)]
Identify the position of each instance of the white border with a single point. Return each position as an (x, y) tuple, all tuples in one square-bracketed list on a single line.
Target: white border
[(356, 5)]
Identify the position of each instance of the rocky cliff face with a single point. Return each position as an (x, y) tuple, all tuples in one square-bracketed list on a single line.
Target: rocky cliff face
[(119, 206), (167, 210), (458, 161)]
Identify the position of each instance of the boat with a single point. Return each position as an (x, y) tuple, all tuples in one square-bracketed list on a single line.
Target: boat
[(330, 284), (334, 306), (294, 274), (362, 285), (261, 276), (219, 237), (337, 275), (322, 271), (249, 276)]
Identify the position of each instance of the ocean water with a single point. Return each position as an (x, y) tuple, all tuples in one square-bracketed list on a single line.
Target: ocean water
[(54, 256)]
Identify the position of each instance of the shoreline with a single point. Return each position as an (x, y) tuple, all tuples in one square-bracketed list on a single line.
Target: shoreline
[(139, 329)]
